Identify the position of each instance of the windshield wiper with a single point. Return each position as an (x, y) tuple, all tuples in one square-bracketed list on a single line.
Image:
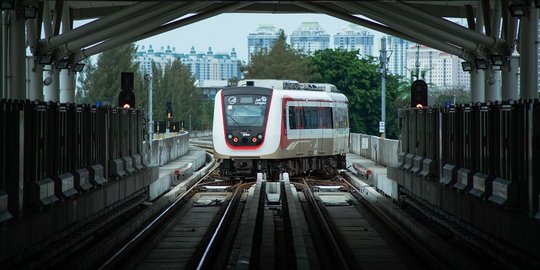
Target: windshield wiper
[(232, 118)]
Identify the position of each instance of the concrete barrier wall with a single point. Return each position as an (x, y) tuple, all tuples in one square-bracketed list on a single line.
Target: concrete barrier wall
[(200, 133), (382, 151), (167, 149)]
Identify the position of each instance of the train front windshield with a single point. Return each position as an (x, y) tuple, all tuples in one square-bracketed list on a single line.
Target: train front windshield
[(245, 111)]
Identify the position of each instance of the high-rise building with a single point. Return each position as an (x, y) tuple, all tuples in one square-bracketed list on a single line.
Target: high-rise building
[(204, 66), (439, 68), (310, 37), (353, 38), (397, 53), (262, 39)]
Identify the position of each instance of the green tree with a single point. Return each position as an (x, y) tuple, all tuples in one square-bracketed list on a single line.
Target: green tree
[(102, 82), (176, 85), (281, 62), (359, 79)]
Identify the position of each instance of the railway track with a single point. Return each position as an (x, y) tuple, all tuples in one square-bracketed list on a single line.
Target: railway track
[(284, 224)]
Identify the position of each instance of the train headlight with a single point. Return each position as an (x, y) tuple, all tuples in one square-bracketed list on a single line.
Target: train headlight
[(229, 136), (259, 136), (254, 139), (235, 139)]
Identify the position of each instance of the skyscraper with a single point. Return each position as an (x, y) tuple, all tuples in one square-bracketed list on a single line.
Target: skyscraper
[(436, 67), (397, 63), (310, 37), (354, 37), (262, 39)]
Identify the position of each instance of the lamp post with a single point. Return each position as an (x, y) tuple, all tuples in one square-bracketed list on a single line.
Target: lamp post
[(148, 77), (382, 129)]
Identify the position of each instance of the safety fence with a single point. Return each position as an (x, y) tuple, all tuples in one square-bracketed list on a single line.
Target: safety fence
[(490, 151), (54, 151)]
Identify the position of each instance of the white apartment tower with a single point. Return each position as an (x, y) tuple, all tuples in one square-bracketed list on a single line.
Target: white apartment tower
[(262, 39), (310, 37), (354, 37), (439, 68)]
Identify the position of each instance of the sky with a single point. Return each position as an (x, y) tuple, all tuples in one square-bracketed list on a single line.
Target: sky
[(227, 31)]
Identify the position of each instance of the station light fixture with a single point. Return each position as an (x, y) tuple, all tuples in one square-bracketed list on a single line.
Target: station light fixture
[(517, 10), (7, 4), (46, 59), (481, 63), (30, 12), (62, 64), (497, 60), (466, 66), (78, 67)]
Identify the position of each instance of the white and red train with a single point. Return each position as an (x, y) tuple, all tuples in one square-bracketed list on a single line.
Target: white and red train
[(276, 126)]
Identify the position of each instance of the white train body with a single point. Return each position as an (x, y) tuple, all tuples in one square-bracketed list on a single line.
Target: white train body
[(274, 130)]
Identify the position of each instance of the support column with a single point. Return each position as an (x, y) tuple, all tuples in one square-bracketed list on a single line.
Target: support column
[(3, 55), (478, 76), (510, 79), (17, 55), (492, 87), (67, 89), (51, 78), (34, 79), (477, 85), (50, 75), (528, 34)]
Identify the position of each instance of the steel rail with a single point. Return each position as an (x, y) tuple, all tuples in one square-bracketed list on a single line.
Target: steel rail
[(146, 230), (399, 230), (222, 226), (329, 234)]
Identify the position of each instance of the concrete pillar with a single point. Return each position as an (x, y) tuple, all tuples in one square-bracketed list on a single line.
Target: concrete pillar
[(478, 76), (492, 87), (510, 79), (477, 85), (528, 34), (67, 86), (51, 83), (17, 55), (51, 78), (34, 75)]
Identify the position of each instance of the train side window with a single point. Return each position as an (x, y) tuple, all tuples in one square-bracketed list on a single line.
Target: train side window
[(292, 117)]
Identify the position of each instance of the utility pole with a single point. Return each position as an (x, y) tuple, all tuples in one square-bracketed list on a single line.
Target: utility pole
[(148, 77), (417, 64), (383, 87)]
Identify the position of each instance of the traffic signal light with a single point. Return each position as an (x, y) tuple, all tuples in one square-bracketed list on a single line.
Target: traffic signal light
[(419, 94), (126, 98), (168, 110)]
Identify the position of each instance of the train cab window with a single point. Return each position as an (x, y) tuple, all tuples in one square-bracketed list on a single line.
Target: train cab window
[(249, 111)]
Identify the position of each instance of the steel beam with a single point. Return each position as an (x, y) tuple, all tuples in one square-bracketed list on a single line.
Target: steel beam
[(138, 21), (50, 43), (3, 55), (130, 35), (423, 38), (51, 91), (397, 17), (447, 26)]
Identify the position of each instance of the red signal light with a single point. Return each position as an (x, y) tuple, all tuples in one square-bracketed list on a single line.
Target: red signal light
[(419, 106), (126, 106)]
